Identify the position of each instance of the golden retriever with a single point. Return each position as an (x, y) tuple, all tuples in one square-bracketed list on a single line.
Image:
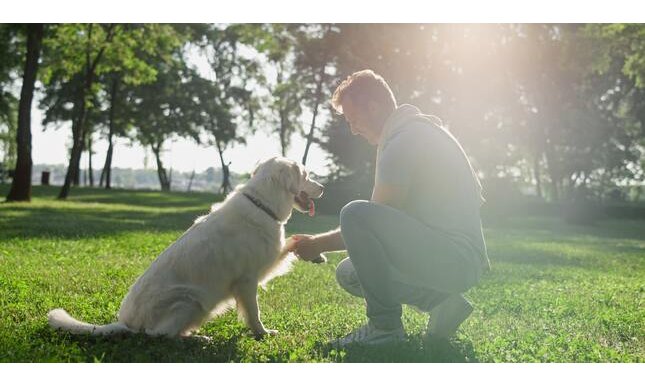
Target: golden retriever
[(220, 259)]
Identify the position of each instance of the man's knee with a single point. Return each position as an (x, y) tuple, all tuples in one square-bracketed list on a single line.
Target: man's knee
[(353, 212), (347, 278)]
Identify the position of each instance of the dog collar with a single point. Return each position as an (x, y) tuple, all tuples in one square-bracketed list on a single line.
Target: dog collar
[(261, 206)]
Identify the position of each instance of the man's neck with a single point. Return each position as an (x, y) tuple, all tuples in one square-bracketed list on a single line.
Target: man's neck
[(382, 121)]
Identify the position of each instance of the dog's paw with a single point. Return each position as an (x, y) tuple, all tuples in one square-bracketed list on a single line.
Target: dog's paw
[(266, 332), (201, 338)]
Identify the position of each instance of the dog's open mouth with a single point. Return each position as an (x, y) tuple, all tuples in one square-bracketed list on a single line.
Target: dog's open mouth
[(305, 204)]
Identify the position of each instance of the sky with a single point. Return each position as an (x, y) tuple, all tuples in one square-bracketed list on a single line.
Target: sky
[(51, 147)]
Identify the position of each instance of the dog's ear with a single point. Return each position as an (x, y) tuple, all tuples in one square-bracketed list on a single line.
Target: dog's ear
[(289, 178), (255, 168)]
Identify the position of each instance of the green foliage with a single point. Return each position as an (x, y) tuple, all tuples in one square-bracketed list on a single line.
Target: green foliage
[(622, 42), (556, 293), (277, 43), (557, 103)]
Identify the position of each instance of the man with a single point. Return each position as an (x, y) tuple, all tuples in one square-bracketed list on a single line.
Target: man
[(419, 240)]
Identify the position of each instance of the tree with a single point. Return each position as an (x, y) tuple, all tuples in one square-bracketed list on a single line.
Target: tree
[(524, 100), (228, 100), (163, 109), (81, 53), (314, 61), (284, 91), (118, 117), (21, 184), (92, 41)]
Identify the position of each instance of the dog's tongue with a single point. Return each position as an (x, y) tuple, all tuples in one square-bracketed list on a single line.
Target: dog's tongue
[(312, 208)]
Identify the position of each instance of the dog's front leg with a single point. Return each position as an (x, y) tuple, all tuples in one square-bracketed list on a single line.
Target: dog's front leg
[(247, 304)]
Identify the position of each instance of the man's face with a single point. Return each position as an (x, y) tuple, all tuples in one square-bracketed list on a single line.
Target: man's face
[(361, 122)]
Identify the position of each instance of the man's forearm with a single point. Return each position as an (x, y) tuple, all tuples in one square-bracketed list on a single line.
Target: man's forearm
[(330, 241)]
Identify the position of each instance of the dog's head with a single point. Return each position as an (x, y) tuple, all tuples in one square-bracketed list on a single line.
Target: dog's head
[(293, 178)]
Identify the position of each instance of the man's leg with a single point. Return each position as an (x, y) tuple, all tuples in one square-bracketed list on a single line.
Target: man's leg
[(446, 317), (371, 266), (447, 311), (348, 279), (417, 254), (383, 241), (422, 299)]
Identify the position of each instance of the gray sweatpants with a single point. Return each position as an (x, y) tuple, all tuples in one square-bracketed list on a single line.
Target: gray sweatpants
[(399, 260)]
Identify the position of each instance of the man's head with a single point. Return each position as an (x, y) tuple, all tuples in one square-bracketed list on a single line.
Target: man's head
[(366, 101)]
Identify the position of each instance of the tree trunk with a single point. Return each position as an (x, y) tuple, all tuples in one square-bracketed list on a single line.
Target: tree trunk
[(77, 168), (161, 171), (107, 167), (225, 188), (21, 184), (283, 133), (78, 125), (89, 161), (536, 174), (552, 171), (190, 182), (72, 174), (282, 107), (310, 135)]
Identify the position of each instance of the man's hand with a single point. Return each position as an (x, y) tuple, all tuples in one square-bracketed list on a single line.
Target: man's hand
[(308, 248)]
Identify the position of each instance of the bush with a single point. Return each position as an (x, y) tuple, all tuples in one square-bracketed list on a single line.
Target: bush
[(342, 191)]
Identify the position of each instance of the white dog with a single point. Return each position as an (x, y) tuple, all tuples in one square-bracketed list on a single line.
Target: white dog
[(221, 258)]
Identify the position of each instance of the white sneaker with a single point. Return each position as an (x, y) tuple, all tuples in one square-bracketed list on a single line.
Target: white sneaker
[(368, 334), (446, 317)]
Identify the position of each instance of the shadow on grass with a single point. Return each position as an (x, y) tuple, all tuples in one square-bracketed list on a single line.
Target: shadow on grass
[(621, 257), (141, 348), (76, 223), (414, 350), (144, 198), (557, 229), (177, 212)]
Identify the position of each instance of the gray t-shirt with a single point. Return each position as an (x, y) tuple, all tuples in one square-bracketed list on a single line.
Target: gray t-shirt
[(443, 190)]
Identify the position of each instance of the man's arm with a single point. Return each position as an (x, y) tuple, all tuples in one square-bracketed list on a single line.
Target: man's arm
[(309, 247), (330, 241)]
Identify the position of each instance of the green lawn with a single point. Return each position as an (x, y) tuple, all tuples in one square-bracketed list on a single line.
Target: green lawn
[(557, 293)]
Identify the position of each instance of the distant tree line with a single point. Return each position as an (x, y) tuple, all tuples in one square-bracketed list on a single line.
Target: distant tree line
[(555, 108)]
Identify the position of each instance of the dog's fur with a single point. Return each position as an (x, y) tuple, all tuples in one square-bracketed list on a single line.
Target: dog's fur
[(220, 259)]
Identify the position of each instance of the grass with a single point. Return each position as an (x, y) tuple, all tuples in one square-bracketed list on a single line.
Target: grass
[(557, 293)]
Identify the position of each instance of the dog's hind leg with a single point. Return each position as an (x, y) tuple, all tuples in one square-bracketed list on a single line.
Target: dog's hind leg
[(181, 319), (246, 296)]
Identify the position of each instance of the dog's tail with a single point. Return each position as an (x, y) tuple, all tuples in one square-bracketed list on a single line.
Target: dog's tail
[(60, 319)]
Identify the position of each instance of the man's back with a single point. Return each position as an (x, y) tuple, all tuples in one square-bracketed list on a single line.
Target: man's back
[(442, 190)]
